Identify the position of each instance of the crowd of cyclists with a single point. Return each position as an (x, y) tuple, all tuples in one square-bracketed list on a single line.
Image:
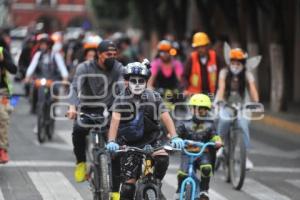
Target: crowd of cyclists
[(98, 68)]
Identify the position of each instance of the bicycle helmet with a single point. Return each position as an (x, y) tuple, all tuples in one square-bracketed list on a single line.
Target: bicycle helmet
[(137, 69), (237, 54), (200, 100), (164, 45)]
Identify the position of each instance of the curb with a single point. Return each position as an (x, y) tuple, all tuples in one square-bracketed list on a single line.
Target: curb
[(281, 123)]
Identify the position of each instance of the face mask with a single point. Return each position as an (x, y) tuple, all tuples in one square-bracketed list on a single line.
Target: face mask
[(109, 63), (137, 85), (236, 69)]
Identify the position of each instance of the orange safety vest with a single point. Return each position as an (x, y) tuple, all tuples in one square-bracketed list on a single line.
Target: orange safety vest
[(195, 79)]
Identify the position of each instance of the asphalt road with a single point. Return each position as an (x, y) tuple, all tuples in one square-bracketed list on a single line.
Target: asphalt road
[(46, 171)]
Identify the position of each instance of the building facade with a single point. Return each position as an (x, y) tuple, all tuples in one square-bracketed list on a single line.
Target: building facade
[(57, 13)]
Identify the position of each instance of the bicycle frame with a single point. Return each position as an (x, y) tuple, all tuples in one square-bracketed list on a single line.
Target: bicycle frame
[(192, 156)]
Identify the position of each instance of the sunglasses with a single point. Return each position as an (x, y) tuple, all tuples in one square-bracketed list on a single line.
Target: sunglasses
[(139, 81)]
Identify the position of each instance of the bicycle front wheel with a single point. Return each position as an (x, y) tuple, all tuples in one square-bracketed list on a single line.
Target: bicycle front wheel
[(104, 177), (150, 194), (237, 161)]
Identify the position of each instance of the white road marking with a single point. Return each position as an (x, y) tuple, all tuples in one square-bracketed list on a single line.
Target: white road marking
[(275, 169), (171, 180), (261, 192), (263, 149), (295, 183), (54, 186), (38, 164), (1, 195)]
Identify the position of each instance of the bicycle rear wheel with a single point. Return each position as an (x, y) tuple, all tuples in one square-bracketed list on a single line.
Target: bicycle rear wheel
[(237, 163)]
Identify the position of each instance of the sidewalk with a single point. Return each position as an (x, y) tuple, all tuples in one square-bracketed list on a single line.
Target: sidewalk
[(289, 121)]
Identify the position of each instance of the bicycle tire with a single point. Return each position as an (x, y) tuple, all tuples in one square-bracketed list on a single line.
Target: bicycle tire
[(104, 177), (237, 163), (41, 131), (226, 157), (187, 192), (150, 194)]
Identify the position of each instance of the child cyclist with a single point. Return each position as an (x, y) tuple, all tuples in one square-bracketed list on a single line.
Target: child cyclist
[(199, 128)]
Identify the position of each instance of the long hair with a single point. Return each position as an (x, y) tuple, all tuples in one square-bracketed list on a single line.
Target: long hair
[(242, 82)]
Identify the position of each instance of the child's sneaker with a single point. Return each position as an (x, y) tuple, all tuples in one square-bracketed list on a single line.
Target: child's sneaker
[(204, 195)]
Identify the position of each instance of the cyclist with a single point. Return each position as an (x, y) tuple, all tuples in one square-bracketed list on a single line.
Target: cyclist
[(199, 128), (46, 64), (6, 65), (166, 71), (201, 69), (136, 113), (97, 78), (235, 82)]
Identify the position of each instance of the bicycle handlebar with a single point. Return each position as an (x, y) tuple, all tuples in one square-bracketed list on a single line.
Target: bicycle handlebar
[(202, 145), (148, 149)]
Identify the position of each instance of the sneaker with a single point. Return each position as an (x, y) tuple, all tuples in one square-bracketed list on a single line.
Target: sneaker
[(115, 196), (220, 152), (249, 164), (204, 195), (80, 172), (3, 156)]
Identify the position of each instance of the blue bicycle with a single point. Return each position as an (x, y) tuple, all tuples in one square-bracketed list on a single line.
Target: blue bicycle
[(189, 185)]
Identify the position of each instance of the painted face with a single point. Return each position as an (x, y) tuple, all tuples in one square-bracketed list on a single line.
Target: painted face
[(137, 85), (236, 67)]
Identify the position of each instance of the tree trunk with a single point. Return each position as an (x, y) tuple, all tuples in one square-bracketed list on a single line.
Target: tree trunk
[(277, 81)]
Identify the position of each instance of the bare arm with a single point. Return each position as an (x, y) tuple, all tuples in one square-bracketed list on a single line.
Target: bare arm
[(150, 83), (253, 92), (114, 125), (221, 90)]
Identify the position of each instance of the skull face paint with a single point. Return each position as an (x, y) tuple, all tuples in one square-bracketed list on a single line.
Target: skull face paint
[(137, 85)]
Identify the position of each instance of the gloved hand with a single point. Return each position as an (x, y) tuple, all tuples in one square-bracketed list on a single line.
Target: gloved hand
[(218, 141), (177, 142), (112, 146)]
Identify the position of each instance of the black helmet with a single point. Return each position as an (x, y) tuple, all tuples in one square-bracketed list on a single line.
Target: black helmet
[(138, 69)]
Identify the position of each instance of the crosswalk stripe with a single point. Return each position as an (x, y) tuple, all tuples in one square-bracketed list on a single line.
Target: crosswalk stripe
[(295, 183), (54, 186), (171, 180), (38, 163), (261, 192), (1, 195)]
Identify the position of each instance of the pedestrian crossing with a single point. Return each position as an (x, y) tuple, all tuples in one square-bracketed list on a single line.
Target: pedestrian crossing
[(55, 185)]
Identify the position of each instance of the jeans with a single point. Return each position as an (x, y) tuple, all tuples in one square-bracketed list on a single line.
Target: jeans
[(226, 118)]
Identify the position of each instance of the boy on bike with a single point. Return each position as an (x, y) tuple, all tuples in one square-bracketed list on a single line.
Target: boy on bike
[(199, 128), (136, 113)]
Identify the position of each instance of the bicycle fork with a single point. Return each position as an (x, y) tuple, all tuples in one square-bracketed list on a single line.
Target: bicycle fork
[(189, 180)]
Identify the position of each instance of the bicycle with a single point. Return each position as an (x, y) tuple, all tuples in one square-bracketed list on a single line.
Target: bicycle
[(189, 186), (147, 186), (45, 123), (233, 160), (99, 172)]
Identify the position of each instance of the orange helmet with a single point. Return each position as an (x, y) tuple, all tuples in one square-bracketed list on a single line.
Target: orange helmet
[(200, 39), (164, 45), (237, 54), (92, 42)]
